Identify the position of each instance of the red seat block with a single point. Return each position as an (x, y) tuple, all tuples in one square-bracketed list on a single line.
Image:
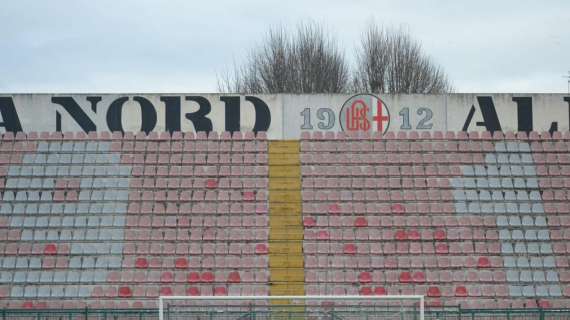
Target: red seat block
[(433, 292), (166, 277), (350, 248), (483, 262), (211, 184), (405, 277), (365, 277), (50, 249), (125, 292), (165, 291), (366, 291), (141, 263), (309, 222), (181, 263), (220, 291), (193, 277), (207, 277), (193, 291), (380, 291), (261, 248), (439, 235), (419, 277), (234, 277), (461, 291), (360, 222)]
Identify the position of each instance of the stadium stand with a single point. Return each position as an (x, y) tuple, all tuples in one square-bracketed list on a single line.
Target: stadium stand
[(111, 220)]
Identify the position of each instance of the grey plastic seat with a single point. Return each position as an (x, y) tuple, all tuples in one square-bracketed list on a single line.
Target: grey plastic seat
[(543, 235), (494, 183), (528, 291), (504, 234), (497, 195), (33, 276), (520, 248), (119, 221), (108, 208), (46, 277), (507, 183), (529, 171), (517, 170), (537, 208), (78, 235), (522, 262), (474, 208), (53, 158), (71, 291), (57, 292), (549, 262), (110, 195), (460, 207), (519, 183), (482, 183), (84, 291), (75, 170), (507, 248), (538, 276), (77, 158), (54, 146), (512, 276), (502, 158), (100, 171), (73, 276), (509, 262), (67, 222), (35, 263), (499, 208), (44, 291), (67, 146), (38, 171), (524, 208), (514, 158), (540, 221), (459, 195), (87, 276), (468, 171), (22, 263), (114, 262), (527, 221), (471, 195), (30, 292), (480, 171), (79, 146), (541, 291), (469, 183), (536, 262), (552, 276), (125, 171), (545, 248), (92, 234), (59, 276), (75, 262), (530, 235), (517, 235), (505, 171), (17, 292), (512, 207), (48, 183), (533, 248), (510, 196), (554, 291), (88, 263), (487, 208), (490, 158)]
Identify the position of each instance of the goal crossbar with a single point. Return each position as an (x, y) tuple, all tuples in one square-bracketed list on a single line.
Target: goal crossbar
[(163, 299)]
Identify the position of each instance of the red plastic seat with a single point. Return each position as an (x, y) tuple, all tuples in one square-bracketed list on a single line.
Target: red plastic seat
[(350, 248), (309, 222), (125, 292), (165, 291), (211, 184), (483, 262), (366, 291), (360, 222), (181, 263), (234, 277), (401, 235), (249, 196), (441, 248), (261, 248), (193, 277), (141, 263), (323, 235), (193, 291), (419, 277), (166, 277), (398, 208), (439, 235), (461, 291), (405, 277), (50, 249), (413, 235), (334, 209), (433, 292), (220, 291), (365, 277), (207, 277), (380, 291)]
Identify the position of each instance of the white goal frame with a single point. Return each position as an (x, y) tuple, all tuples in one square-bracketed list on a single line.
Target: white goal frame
[(420, 298)]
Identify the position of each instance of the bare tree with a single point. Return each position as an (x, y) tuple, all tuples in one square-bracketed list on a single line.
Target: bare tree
[(308, 61), (390, 61)]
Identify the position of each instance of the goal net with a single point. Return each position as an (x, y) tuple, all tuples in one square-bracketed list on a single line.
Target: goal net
[(292, 307)]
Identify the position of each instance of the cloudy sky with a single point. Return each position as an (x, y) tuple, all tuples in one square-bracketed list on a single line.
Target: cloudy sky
[(181, 46)]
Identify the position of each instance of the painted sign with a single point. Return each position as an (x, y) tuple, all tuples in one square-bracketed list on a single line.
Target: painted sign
[(284, 116)]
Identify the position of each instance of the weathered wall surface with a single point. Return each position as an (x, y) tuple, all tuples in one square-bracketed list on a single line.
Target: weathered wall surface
[(283, 116)]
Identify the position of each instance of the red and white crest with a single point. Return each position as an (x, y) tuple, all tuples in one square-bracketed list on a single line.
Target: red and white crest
[(365, 112)]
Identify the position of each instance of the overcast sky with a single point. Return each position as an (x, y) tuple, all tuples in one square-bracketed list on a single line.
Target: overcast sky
[(181, 46)]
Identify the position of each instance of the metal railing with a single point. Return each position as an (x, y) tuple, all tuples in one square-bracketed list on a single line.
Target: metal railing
[(454, 313)]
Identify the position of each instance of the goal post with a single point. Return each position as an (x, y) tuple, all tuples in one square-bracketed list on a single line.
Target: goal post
[(401, 307)]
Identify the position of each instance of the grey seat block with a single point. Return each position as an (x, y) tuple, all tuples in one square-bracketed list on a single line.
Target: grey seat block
[(21, 196), (549, 262), (17, 292), (528, 291), (461, 207), (512, 207), (87, 276), (88, 263), (79, 146), (524, 208), (19, 276), (8, 196), (42, 222), (97, 195), (540, 221), (510, 196), (527, 221), (552, 276), (22, 263), (522, 262), (502, 221), (517, 170), (125, 170), (506, 248), (84, 291), (474, 208), (55, 221), (57, 292), (530, 235), (100, 171), (68, 221), (536, 262), (121, 208), (554, 291), (95, 208), (31, 208), (71, 291), (468, 171), (101, 263), (67, 146), (58, 208), (83, 208), (106, 221), (13, 171), (483, 183), (469, 183), (543, 235), (35, 263), (99, 276), (490, 158), (515, 291), (92, 234), (499, 208), (29, 222), (81, 221), (504, 234), (33, 196), (505, 171), (494, 183), (509, 262), (108, 207), (514, 158), (522, 195), (122, 195), (471, 195), (73, 276), (514, 221), (533, 248), (46, 277), (507, 183), (530, 171), (33, 276), (75, 262), (59, 276), (517, 235), (8, 263), (535, 195), (44, 291), (30, 291), (54, 146), (487, 208), (27, 234), (77, 248), (114, 262), (502, 158), (459, 195), (545, 248), (520, 248), (110, 195), (77, 158), (119, 221), (5, 208), (541, 291), (84, 195), (93, 221), (538, 276)]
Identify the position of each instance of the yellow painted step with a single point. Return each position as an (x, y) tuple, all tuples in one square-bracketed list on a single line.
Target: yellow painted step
[(286, 220), (284, 159), (284, 184), (280, 234), (284, 196), (284, 247), (279, 289), (277, 208), (284, 172), (285, 261), (283, 146), (287, 275)]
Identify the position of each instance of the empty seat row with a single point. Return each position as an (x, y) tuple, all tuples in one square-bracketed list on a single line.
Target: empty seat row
[(22, 208)]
